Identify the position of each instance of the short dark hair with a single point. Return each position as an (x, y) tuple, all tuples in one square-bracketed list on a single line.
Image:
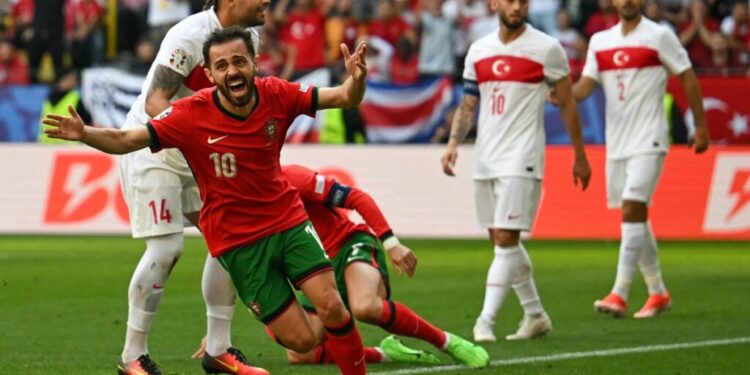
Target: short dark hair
[(227, 35)]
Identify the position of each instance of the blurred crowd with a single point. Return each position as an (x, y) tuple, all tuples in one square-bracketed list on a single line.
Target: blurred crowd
[(409, 40)]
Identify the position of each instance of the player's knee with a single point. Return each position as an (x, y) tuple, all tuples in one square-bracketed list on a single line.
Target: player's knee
[(331, 310), (165, 250), (301, 342), (367, 311)]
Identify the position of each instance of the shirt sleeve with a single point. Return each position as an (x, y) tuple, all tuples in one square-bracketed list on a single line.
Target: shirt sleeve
[(170, 128), (300, 99), (556, 63), (176, 53), (471, 86), (591, 67), (672, 54)]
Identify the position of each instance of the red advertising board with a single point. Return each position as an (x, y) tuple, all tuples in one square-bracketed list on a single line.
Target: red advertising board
[(703, 196)]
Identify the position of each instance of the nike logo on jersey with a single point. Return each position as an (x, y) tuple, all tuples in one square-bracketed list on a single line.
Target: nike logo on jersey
[(214, 140), (513, 217), (157, 286)]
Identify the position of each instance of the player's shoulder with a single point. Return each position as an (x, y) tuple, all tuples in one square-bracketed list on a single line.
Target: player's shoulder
[(189, 33), (604, 37), (656, 30), (541, 38)]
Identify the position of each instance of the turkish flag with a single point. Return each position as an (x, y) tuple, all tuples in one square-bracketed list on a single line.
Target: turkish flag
[(725, 101)]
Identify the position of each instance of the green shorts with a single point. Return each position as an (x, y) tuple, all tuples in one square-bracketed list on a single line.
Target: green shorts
[(361, 247), (262, 272)]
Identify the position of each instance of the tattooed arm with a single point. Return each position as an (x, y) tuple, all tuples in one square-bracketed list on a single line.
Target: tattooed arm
[(463, 120), (164, 86)]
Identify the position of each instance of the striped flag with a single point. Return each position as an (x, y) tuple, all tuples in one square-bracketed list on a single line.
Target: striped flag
[(401, 114)]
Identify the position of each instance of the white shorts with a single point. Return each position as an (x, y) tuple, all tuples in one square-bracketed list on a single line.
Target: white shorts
[(633, 179), (158, 189), (507, 202)]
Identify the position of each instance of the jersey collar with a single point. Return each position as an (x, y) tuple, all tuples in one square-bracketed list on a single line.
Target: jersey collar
[(225, 111)]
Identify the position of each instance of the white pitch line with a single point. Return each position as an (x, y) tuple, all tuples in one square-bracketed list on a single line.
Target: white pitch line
[(573, 355)]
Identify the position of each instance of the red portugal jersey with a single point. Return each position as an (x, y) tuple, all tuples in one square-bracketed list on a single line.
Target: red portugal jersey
[(235, 160), (327, 203)]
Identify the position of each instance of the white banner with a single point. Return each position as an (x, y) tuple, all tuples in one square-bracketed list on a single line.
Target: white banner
[(75, 189), (108, 94)]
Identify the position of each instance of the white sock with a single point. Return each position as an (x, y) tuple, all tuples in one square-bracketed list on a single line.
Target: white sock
[(649, 264), (219, 295), (499, 279), (524, 286), (146, 289), (631, 247)]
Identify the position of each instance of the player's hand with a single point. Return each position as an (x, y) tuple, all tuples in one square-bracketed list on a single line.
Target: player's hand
[(355, 63), (449, 160), (581, 172), (201, 350), (403, 259), (67, 128), (699, 139)]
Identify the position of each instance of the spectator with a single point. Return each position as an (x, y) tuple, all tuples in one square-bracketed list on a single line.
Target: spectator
[(162, 14), (697, 34), (275, 59), (542, 14), (47, 36), (389, 26), (139, 62), (13, 70), (303, 28), (654, 13), (63, 94), (405, 63), (465, 12), (132, 23), (22, 17), (572, 41), (378, 59), (341, 27), (83, 26), (483, 25), (737, 30), (405, 9), (602, 19), (436, 50)]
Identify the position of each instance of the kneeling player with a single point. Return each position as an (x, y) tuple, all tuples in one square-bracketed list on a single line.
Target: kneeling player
[(362, 276)]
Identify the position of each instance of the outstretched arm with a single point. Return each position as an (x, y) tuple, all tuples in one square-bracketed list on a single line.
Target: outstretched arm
[(581, 168), (695, 100), (351, 92), (463, 121), (111, 141)]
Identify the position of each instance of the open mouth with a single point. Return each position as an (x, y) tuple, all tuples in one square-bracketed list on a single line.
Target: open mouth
[(237, 86)]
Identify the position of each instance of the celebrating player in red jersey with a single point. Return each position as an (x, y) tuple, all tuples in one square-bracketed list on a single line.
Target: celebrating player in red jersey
[(362, 276), (632, 62), (252, 219)]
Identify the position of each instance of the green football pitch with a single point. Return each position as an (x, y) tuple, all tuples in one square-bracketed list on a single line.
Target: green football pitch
[(63, 309)]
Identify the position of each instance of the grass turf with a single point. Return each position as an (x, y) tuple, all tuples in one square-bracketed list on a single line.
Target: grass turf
[(63, 308)]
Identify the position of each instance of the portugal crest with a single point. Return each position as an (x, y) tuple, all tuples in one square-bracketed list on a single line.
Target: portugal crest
[(271, 126)]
